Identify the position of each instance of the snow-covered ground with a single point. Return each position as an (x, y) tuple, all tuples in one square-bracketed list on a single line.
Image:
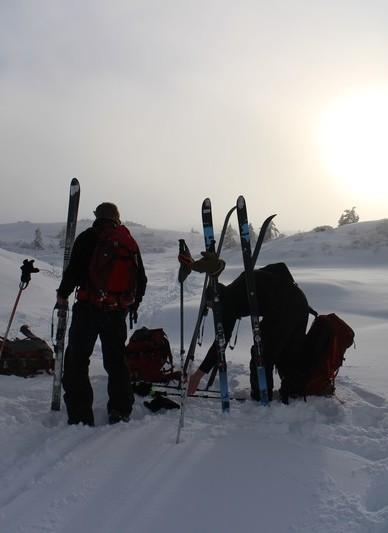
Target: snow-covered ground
[(308, 467)]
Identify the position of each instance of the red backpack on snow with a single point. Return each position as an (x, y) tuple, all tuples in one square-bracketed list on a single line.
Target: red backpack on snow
[(325, 345), (149, 358), (113, 268)]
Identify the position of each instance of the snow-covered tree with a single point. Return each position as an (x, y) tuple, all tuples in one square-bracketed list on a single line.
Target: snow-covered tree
[(349, 216), (272, 232), (61, 236), (231, 237), (323, 228), (37, 243), (252, 234)]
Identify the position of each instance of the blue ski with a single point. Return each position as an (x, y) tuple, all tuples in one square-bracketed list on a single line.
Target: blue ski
[(208, 232), (251, 292)]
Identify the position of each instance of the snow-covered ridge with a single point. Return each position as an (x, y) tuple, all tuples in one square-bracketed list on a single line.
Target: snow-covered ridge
[(360, 243), (18, 237)]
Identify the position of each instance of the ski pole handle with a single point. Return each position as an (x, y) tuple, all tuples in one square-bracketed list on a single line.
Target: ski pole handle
[(185, 260), (27, 269)]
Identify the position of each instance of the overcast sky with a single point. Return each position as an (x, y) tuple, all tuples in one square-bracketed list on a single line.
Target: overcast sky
[(155, 105)]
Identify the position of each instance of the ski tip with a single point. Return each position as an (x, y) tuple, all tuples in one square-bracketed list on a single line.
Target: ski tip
[(206, 202), (74, 187), (240, 201)]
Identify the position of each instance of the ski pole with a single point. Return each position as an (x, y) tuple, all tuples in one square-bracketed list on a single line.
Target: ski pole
[(205, 396), (184, 270), (178, 388), (185, 260), (27, 269)]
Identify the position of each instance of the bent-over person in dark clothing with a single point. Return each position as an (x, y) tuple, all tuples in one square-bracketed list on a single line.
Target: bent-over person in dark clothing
[(284, 311), (96, 314)]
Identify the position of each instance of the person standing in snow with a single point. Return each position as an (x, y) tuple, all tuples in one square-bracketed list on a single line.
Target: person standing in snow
[(94, 315), (284, 311)]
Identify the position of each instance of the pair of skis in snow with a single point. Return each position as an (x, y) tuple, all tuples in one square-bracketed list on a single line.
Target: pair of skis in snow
[(249, 260), (207, 222)]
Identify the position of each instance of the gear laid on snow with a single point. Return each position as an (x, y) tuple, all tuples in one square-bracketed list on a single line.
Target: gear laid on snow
[(26, 357), (159, 402), (149, 358)]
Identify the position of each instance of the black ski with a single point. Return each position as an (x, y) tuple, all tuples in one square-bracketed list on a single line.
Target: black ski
[(260, 239), (62, 312), (251, 292), (208, 232)]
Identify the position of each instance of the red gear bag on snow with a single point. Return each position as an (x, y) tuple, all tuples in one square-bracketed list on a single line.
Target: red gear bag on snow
[(149, 358), (324, 353)]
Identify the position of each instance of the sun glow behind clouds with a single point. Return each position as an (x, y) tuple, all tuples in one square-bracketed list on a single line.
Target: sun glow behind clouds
[(353, 140)]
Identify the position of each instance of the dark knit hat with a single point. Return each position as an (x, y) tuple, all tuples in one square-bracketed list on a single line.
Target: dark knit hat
[(107, 210)]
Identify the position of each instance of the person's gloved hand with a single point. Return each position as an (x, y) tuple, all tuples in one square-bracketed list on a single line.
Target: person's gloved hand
[(209, 264), (133, 310), (185, 260)]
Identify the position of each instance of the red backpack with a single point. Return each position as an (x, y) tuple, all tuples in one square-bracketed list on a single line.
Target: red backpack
[(149, 358), (113, 268), (326, 343)]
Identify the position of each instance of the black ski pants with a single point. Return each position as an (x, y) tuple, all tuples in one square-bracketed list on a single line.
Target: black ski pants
[(89, 322)]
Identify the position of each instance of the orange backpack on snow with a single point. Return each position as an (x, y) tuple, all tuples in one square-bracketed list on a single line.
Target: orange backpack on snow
[(324, 352)]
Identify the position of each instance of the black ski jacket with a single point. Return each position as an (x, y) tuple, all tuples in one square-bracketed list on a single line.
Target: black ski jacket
[(76, 273), (282, 306)]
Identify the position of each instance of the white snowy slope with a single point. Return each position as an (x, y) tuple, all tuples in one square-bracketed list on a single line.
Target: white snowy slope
[(314, 466)]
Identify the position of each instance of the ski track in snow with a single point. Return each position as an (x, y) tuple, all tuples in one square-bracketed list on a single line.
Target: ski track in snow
[(64, 473)]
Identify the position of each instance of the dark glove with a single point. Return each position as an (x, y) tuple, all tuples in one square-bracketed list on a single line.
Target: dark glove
[(210, 264), (185, 261), (27, 269), (142, 388), (161, 402), (133, 312)]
